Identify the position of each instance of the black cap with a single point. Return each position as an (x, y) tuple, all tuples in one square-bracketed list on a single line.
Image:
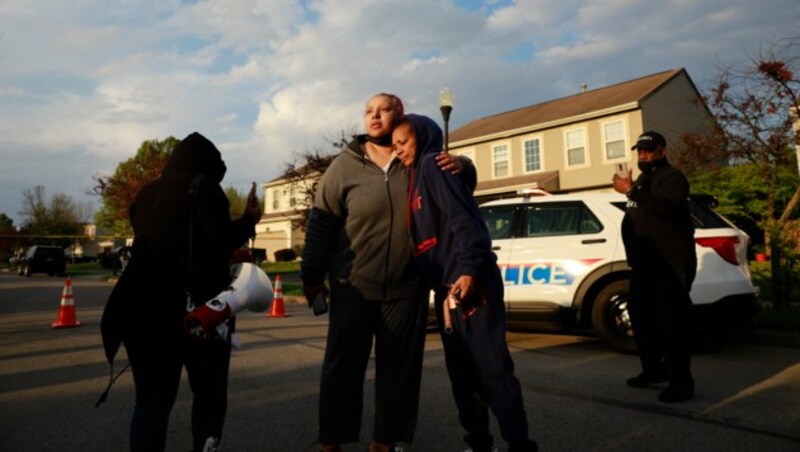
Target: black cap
[(649, 141)]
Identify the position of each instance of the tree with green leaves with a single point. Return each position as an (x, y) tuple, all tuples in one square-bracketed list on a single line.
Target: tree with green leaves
[(755, 109), (9, 240), (119, 190), (6, 223)]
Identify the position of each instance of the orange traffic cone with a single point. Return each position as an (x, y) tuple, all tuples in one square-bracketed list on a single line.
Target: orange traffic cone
[(66, 314), (277, 309)]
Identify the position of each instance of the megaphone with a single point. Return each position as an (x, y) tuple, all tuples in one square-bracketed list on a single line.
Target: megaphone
[(250, 289)]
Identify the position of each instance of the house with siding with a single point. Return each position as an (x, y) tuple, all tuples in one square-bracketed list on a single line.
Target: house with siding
[(573, 143), (281, 225), (563, 145)]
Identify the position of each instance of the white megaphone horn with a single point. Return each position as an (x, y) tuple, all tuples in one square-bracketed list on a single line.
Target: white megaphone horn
[(250, 289)]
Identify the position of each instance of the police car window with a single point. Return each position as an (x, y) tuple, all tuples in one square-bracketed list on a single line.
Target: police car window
[(546, 220), (589, 224), (560, 219), (498, 221)]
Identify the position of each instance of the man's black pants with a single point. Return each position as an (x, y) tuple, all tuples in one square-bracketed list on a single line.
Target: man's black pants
[(660, 309)]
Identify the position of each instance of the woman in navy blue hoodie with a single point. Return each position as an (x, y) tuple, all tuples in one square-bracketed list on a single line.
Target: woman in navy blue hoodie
[(453, 247)]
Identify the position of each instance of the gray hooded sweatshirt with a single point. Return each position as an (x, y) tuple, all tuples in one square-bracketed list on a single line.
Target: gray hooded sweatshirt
[(357, 233)]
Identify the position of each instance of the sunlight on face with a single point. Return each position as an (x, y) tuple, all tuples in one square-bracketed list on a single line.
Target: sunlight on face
[(379, 116), (404, 143)]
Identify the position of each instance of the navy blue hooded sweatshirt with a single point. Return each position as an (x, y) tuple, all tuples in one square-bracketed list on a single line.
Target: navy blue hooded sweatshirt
[(449, 234)]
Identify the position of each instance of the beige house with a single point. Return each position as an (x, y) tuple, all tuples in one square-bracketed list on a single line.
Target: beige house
[(572, 143), (564, 145), (280, 224)]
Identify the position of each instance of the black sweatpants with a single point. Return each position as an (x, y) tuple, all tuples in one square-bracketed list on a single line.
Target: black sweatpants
[(482, 372), (660, 310), (157, 373), (398, 328)]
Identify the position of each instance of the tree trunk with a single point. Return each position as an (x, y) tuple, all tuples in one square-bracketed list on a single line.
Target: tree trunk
[(787, 212)]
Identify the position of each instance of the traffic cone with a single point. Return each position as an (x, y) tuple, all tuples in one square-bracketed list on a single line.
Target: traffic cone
[(277, 310), (66, 314)]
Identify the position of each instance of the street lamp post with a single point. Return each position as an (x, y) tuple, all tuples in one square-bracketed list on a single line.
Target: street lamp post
[(446, 106)]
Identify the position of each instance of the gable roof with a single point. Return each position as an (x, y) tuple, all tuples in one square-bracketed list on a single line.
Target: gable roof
[(626, 93)]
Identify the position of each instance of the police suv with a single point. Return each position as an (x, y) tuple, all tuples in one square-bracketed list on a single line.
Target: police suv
[(563, 263)]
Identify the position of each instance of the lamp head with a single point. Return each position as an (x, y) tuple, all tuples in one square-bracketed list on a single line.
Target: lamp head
[(446, 97), (446, 103)]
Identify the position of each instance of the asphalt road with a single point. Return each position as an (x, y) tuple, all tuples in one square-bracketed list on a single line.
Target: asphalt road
[(748, 387)]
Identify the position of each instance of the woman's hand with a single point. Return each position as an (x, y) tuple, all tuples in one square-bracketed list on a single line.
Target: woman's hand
[(448, 162), (311, 291), (458, 291), (461, 288)]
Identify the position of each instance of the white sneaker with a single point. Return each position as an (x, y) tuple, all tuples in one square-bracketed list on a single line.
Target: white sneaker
[(469, 449)]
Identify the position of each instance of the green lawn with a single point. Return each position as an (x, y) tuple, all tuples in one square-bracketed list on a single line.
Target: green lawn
[(270, 268), (88, 268), (282, 268)]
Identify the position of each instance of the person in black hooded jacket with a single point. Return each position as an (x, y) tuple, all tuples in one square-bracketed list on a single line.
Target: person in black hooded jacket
[(452, 245), (146, 308)]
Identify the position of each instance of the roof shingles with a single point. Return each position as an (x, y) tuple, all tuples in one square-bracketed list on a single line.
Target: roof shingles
[(566, 107)]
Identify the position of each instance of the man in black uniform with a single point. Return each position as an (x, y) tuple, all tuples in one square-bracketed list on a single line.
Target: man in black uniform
[(658, 234)]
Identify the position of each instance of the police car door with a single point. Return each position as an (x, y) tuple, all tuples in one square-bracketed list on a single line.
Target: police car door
[(500, 220), (557, 245)]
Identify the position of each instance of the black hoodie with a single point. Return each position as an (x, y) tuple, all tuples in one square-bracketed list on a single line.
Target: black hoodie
[(657, 229), (149, 301)]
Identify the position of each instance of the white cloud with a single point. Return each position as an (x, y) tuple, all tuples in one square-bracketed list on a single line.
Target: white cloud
[(412, 66), (83, 84)]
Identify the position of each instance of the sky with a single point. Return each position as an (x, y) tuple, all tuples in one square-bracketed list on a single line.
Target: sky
[(84, 82)]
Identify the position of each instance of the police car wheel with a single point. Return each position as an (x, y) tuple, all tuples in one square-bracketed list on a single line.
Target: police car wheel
[(610, 317)]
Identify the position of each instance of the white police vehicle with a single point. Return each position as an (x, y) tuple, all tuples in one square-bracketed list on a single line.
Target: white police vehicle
[(563, 263)]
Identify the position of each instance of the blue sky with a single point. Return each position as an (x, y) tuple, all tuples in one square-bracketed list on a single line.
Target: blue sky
[(83, 83)]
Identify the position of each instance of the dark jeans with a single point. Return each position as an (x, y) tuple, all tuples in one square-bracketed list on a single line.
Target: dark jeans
[(398, 328), (482, 373), (660, 310), (156, 374)]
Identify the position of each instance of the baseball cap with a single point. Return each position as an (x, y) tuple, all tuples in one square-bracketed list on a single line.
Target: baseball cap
[(649, 141)]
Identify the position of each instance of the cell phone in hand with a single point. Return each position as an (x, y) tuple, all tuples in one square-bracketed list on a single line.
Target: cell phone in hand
[(622, 169), (320, 304)]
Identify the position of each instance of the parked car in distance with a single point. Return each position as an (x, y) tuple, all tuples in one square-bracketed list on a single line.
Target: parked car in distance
[(42, 259), (80, 258), (564, 265), (259, 255)]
